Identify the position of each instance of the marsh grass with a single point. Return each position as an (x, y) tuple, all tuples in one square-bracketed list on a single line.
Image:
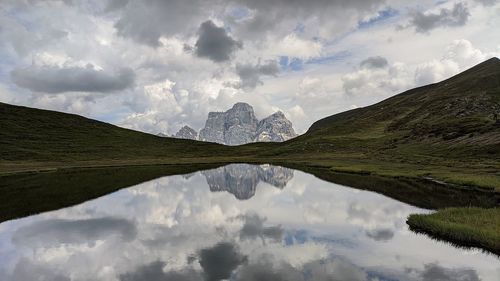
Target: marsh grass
[(470, 227)]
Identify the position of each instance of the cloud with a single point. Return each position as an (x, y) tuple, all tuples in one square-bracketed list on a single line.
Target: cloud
[(435, 272), (425, 22), (250, 74), (154, 272), (26, 270), (214, 43), (219, 261), (267, 269), (279, 16), (377, 81), (57, 79), (434, 71), (380, 234), (54, 232), (254, 228), (487, 2), (146, 22), (374, 62), (459, 55)]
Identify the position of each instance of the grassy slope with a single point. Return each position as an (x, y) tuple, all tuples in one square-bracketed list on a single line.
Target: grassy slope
[(474, 227), (35, 135)]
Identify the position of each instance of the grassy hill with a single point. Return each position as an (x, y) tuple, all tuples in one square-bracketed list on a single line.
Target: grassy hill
[(43, 135)]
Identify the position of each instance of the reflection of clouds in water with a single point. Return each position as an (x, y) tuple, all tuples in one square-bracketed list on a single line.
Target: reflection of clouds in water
[(253, 228), (380, 234), (168, 222), (268, 269), (154, 272), (49, 233), (435, 272), (218, 262)]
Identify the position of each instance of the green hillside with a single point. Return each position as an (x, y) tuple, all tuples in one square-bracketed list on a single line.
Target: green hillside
[(36, 135), (455, 117)]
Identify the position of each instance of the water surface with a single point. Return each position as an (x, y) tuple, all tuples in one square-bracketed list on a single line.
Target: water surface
[(239, 222)]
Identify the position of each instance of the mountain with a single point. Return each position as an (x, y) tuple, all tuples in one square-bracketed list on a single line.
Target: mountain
[(239, 126), (275, 128), (187, 132)]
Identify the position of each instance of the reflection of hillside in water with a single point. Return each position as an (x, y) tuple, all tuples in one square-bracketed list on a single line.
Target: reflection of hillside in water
[(241, 179)]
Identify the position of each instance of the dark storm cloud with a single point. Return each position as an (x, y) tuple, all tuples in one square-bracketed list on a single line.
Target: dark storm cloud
[(254, 228), (435, 272), (250, 74), (456, 16), (55, 79), (54, 232), (374, 62), (220, 261), (380, 234), (214, 43), (154, 272), (146, 21), (269, 14)]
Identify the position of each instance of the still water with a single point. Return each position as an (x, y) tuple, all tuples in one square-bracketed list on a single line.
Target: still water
[(238, 222)]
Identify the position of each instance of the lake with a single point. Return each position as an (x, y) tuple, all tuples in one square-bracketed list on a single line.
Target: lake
[(238, 222)]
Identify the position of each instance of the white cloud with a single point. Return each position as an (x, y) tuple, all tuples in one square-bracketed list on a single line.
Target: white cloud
[(294, 46), (323, 36)]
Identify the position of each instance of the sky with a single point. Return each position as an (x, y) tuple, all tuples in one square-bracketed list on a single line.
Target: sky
[(156, 65)]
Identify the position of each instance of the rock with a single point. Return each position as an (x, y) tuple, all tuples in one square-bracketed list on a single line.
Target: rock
[(239, 125), (275, 128), (187, 132), (214, 128), (162, 135)]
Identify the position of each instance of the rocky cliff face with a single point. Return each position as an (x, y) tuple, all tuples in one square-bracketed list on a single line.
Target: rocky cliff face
[(275, 128), (187, 132), (239, 125), (214, 128)]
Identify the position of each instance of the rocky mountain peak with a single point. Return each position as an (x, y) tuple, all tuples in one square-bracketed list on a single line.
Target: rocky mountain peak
[(187, 132), (238, 125), (275, 128)]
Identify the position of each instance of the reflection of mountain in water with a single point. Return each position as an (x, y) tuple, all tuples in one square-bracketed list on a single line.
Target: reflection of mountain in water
[(242, 179)]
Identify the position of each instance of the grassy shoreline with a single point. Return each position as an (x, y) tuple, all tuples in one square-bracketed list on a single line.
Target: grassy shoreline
[(469, 227)]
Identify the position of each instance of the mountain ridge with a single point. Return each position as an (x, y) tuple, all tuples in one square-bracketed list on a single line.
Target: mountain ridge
[(238, 125)]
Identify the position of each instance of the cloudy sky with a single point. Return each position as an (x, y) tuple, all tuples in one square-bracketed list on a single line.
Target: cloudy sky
[(155, 65)]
